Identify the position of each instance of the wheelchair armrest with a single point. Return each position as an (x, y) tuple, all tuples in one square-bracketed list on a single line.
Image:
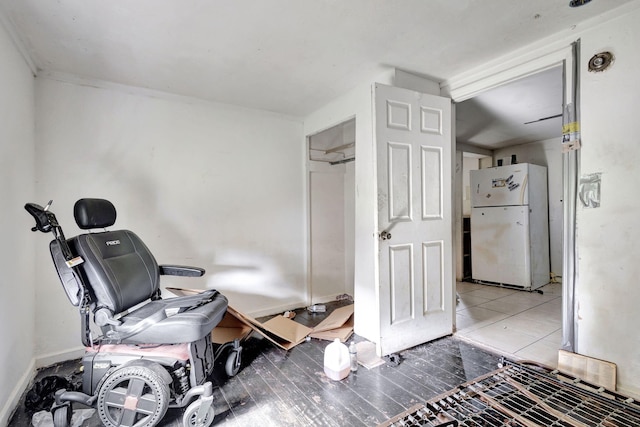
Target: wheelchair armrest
[(181, 270)]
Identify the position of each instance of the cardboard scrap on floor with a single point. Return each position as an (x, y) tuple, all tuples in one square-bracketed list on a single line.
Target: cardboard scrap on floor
[(229, 329), (367, 355), (280, 330), (338, 324), (283, 332)]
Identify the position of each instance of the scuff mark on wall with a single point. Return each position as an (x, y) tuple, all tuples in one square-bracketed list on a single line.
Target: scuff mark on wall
[(589, 192), (578, 311)]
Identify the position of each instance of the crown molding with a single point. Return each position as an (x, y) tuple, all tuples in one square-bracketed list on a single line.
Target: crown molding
[(78, 80), (7, 24)]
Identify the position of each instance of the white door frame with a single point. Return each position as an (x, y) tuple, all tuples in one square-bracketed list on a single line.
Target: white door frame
[(563, 53)]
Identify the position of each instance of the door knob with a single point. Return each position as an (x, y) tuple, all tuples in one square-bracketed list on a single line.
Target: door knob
[(385, 235)]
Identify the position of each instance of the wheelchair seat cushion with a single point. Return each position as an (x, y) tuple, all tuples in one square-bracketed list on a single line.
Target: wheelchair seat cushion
[(172, 320)]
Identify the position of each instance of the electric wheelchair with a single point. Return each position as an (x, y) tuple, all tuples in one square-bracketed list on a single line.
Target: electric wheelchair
[(151, 353)]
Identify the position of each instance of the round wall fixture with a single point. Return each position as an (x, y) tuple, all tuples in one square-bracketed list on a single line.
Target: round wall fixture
[(600, 61)]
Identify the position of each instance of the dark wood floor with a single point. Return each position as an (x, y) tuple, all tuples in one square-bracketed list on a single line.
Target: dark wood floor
[(279, 388)]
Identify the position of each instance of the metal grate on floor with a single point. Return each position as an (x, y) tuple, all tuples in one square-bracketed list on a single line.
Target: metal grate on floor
[(521, 395)]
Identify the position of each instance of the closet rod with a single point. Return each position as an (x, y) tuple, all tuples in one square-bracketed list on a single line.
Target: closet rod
[(338, 162)]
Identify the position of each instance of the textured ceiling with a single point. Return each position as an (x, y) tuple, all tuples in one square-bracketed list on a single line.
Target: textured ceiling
[(522, 111), (286, 56)]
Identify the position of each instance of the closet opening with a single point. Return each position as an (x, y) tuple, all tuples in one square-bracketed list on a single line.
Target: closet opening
[(331, 186)]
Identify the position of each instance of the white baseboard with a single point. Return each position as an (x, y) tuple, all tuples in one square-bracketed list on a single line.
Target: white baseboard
[(276, 309), (326, 298), (292, 306), (14, 398)]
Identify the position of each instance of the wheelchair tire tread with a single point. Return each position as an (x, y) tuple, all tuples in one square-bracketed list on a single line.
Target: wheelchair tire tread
[(153, 383)]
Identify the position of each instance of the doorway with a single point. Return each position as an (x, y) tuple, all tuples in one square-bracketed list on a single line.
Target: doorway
[(331, 186), (518, 121)]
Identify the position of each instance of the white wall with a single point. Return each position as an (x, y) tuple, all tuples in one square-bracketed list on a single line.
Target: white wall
[(203, 184), (17, 263), (468, 164), (327, 231), (546, 153), (457, 205), (349, 225), (608, 238)]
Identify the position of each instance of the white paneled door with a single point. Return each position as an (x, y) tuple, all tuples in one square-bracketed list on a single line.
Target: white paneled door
[(414, 171)]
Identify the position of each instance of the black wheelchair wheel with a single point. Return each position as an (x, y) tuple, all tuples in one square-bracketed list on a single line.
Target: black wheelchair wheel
[(190, 417), (132, 396), (62, 416), (232, 366)]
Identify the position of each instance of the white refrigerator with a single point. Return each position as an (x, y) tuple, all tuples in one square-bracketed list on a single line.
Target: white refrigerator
[(510, 226)]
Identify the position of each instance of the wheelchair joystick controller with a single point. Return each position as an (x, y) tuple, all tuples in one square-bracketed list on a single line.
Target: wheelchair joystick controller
[(45, 220)]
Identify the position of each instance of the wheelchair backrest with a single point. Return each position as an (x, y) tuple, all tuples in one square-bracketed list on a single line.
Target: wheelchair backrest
[(68, 278), (118, 269)]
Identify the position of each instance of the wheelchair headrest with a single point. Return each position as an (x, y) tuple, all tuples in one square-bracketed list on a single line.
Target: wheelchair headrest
[(94, 213)]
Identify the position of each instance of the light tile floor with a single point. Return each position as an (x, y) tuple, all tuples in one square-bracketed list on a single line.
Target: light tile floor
[(520, 324)]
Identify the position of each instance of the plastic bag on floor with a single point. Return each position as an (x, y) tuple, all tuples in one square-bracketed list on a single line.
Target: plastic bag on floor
[(45, 418), (42, 394)]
